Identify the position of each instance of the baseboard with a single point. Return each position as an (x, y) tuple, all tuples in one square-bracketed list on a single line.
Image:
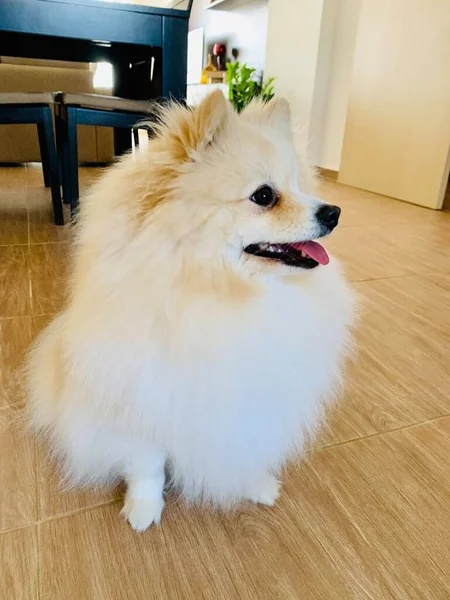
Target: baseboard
[(328, 174)]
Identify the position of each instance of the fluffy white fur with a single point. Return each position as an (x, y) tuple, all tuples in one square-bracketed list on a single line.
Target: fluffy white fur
[(176, 348)]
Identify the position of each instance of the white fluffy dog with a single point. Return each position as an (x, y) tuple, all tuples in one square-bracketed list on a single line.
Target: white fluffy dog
[(204, 329)]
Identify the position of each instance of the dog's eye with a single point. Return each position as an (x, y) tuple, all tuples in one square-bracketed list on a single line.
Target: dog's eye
[(264, 196)]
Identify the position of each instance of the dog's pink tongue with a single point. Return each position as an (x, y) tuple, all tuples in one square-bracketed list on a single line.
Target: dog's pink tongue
[(314, 251)]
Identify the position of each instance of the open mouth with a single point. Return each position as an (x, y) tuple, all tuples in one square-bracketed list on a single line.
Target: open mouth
[(306, 255)]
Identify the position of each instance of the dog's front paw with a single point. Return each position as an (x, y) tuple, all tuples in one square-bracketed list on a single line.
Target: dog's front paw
[(265, 491), (142, 512)]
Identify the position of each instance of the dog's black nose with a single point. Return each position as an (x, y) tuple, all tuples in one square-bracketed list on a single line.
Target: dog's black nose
[(328, 215)]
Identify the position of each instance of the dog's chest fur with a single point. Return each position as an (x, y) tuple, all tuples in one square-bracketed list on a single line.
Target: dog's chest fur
[(235, 388)]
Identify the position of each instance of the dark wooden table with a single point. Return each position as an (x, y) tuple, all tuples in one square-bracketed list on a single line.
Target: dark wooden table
[(147, 46)]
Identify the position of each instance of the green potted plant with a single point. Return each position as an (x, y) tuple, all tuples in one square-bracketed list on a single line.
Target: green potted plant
[(243, 86)]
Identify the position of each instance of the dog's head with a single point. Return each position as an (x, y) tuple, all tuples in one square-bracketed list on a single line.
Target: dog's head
[(236, 190)]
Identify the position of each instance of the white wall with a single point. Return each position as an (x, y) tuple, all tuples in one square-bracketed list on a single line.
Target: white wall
[(310, 47), (340, 73), (324, 66), (244, 27), (293, 38)]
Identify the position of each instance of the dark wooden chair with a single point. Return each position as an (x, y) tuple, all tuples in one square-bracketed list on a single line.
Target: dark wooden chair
[(34, 107), (73, 109)]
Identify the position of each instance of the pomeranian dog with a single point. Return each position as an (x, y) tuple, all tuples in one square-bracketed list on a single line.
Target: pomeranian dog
[(205, 328)]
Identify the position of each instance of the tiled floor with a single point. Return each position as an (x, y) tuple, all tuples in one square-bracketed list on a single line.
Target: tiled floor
[(367, 516)]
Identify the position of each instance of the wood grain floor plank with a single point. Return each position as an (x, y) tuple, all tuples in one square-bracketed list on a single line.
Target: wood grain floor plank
[(19, 565), (54, 499), (175, 561), (357, 521), (15, 338), (401, 374), (18, 500), (48, 267), (395, 490), (364, 209), (376, 252), (14, 278), (13, 206), (365, 520), (13, 218), (40, 213)]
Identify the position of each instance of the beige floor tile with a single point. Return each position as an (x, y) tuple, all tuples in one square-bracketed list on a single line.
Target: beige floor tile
[(39, 323), (13, 216), (41, 221), (401, 373), (376, 252), (15, 337), (19, 565), (366, 520), (88, 176), (18, 502), (395, 491), (360, 520), (365, 209), (191, 556), (42, 227), (33, 175), (34, 178), (13, 178), (14, 278), (54, 499), (48, 266)]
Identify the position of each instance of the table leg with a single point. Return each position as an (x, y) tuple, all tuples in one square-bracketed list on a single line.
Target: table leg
[(47, 142)]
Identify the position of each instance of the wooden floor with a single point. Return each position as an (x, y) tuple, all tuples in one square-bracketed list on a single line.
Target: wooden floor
[(367, 516)]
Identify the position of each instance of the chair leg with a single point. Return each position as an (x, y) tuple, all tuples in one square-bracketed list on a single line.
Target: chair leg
[(136, 137), (62, 147), (44, 158), (47, 141), (73, 158), (45, 172)]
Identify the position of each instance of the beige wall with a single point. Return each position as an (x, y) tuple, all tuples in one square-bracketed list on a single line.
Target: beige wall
[(310, 45), (397, 133), (310, 49), (334, 113), (293, 37), (321, 100)]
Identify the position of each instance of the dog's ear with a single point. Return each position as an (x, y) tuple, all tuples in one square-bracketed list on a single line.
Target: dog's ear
[(209, 119), (275, 113), (278, 113), (199, 127)]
